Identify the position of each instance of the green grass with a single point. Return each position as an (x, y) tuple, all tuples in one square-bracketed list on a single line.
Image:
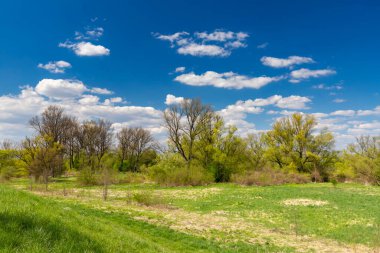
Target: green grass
[(30, 223), (215, 218)]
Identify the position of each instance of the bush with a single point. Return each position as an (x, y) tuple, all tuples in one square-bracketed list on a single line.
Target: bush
[(269, 177), (171, 170), (87, 177), (343, 172)]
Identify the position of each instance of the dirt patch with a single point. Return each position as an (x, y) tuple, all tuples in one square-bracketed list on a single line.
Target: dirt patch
[(304, 202)]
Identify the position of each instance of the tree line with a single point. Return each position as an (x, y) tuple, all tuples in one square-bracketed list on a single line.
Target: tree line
[(201, 149)]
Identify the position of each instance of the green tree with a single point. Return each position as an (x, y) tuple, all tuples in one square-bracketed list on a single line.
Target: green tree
[(294, 145)]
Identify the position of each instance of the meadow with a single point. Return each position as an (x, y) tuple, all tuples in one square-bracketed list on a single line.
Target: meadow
[(315, 217)]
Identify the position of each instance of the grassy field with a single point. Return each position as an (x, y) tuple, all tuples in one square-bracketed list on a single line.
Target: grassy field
[(215, 218)]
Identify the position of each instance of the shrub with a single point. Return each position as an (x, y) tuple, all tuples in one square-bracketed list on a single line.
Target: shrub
[(87, 177), (171, 170), (343, 171), (268, 176)]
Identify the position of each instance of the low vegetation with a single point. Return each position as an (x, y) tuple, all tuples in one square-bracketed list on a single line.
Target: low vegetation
[(216, 218)]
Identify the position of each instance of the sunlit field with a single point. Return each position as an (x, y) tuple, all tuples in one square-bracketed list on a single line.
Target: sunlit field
[(214, 218)]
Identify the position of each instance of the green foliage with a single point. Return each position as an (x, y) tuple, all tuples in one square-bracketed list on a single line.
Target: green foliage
[(293, 146), (363, 157), (172, 170), (87, 177), (343, 170), (8, 164)]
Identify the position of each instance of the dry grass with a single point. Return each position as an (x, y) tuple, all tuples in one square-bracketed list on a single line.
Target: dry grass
[(304, 202)]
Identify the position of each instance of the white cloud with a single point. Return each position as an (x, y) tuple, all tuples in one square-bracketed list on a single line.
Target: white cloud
[(285, 62), (180, 69), (293, 102), (16, 111), (86, 48), (102, 91), (236, 114), (116, 100), (90, 34), (373, 112), (55, 67), (171, 38), (195, 49), (229, 80), (302, 74), (339, 100), (171, 99), (218, 43), (88, 100), (347, 113), (60, 88)]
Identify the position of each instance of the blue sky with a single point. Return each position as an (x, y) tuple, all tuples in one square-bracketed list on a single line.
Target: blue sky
[(254, 61)]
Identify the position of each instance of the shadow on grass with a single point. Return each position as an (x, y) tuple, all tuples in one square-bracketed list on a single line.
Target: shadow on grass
[(23, 232)]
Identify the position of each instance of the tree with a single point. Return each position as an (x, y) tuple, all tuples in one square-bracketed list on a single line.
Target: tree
[(185, 123), (41, 158), (133, 142), (60, 129), (95, 139), (256, 148), (292, 144), (364, 158), (54, 123)]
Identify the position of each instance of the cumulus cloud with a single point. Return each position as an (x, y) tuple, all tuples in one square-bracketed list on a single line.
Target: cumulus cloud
[(55, 66), (88, 100), (171, 99), (302, 74), (344, 113), (285, 62), (102, 91), (236, 114), (373, 112), (217, 43), (60, 88), (86, 48), (16, 110), (229, 80), (195, 49)]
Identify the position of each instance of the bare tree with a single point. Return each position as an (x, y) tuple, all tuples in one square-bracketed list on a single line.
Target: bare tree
[(133, 142), (53, 122), (185, 122), (95, 138)]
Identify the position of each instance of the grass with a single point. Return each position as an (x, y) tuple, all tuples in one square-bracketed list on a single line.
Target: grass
[(30, 223), (215, 218)]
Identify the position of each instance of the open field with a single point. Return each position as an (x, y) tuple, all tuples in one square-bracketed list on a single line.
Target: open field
[(215, 218)]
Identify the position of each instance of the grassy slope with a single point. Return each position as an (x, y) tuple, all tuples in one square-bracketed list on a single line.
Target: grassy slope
[(29, 223)]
